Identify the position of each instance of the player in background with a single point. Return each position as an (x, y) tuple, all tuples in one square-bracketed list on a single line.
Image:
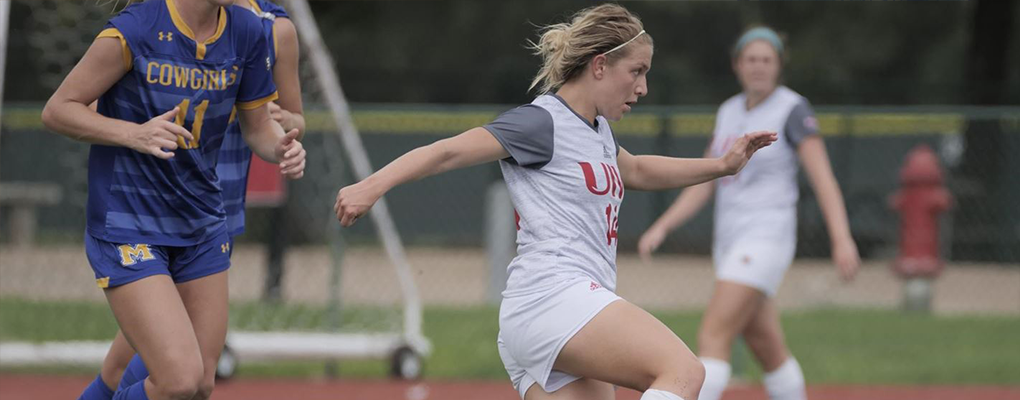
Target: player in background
[(756, 219), (563, 332), (121, 363), (167, 74)]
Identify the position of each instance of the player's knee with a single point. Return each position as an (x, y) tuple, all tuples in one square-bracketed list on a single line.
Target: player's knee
[(697, 376), (683, 375), (690, 367), (205, 388), (178, 389), (184, 381), (183, 388), (679, 369), (208, 383)]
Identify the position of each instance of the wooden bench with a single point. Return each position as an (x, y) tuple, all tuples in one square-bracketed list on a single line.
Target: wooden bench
[(23, 199)]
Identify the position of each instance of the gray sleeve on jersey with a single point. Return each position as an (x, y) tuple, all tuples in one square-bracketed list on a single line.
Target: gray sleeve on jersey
[(526, 132), (801, 123)]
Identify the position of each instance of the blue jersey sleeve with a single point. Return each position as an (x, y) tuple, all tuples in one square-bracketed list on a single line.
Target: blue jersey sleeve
[(273, 8), (126, 21), (277, 12), (256, 87), (270, 11), (124, 27)]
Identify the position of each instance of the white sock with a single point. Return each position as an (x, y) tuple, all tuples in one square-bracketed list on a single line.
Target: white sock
[(786, 382), (655, 394), (717, 375)]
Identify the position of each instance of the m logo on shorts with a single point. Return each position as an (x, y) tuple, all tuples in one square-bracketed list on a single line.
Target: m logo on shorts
[(130, 255)]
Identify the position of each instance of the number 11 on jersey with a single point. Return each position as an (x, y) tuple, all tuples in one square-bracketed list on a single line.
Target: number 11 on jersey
[(196, 126)]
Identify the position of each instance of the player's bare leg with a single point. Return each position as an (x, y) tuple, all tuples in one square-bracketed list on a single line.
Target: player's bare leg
[(764, 335), (206, 301), (581, 389), (731, 308), (116, 361), (155, 322), (626, 346)]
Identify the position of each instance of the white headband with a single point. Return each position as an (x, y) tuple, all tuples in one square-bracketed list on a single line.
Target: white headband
[(625, 43)]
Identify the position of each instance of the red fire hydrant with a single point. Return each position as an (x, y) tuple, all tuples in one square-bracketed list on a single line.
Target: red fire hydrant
[(920, 200)]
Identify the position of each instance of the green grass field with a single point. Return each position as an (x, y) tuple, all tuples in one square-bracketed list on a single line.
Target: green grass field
[(833, 346)]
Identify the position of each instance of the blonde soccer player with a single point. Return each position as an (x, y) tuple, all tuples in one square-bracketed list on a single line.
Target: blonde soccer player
[(564, 333)]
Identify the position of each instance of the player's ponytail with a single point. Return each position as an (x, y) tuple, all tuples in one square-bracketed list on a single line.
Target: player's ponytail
[(566, 48)]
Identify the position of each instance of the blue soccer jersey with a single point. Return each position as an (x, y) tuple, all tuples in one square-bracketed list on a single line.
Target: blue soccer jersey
[(235, 156), (139, 198)]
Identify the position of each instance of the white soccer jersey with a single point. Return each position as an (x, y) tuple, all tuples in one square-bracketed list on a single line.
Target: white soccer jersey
[(566, 189), (770, 178), (755, 211)]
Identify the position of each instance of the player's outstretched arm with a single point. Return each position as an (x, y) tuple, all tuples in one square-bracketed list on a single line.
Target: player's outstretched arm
[(690, 201), (658, 172), (67, 112), (266, 139), (473, 147)]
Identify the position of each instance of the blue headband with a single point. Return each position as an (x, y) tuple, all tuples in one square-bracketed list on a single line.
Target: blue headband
[(758, 34)]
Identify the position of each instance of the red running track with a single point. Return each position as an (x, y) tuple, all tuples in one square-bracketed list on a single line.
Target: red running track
[(40, 387)]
